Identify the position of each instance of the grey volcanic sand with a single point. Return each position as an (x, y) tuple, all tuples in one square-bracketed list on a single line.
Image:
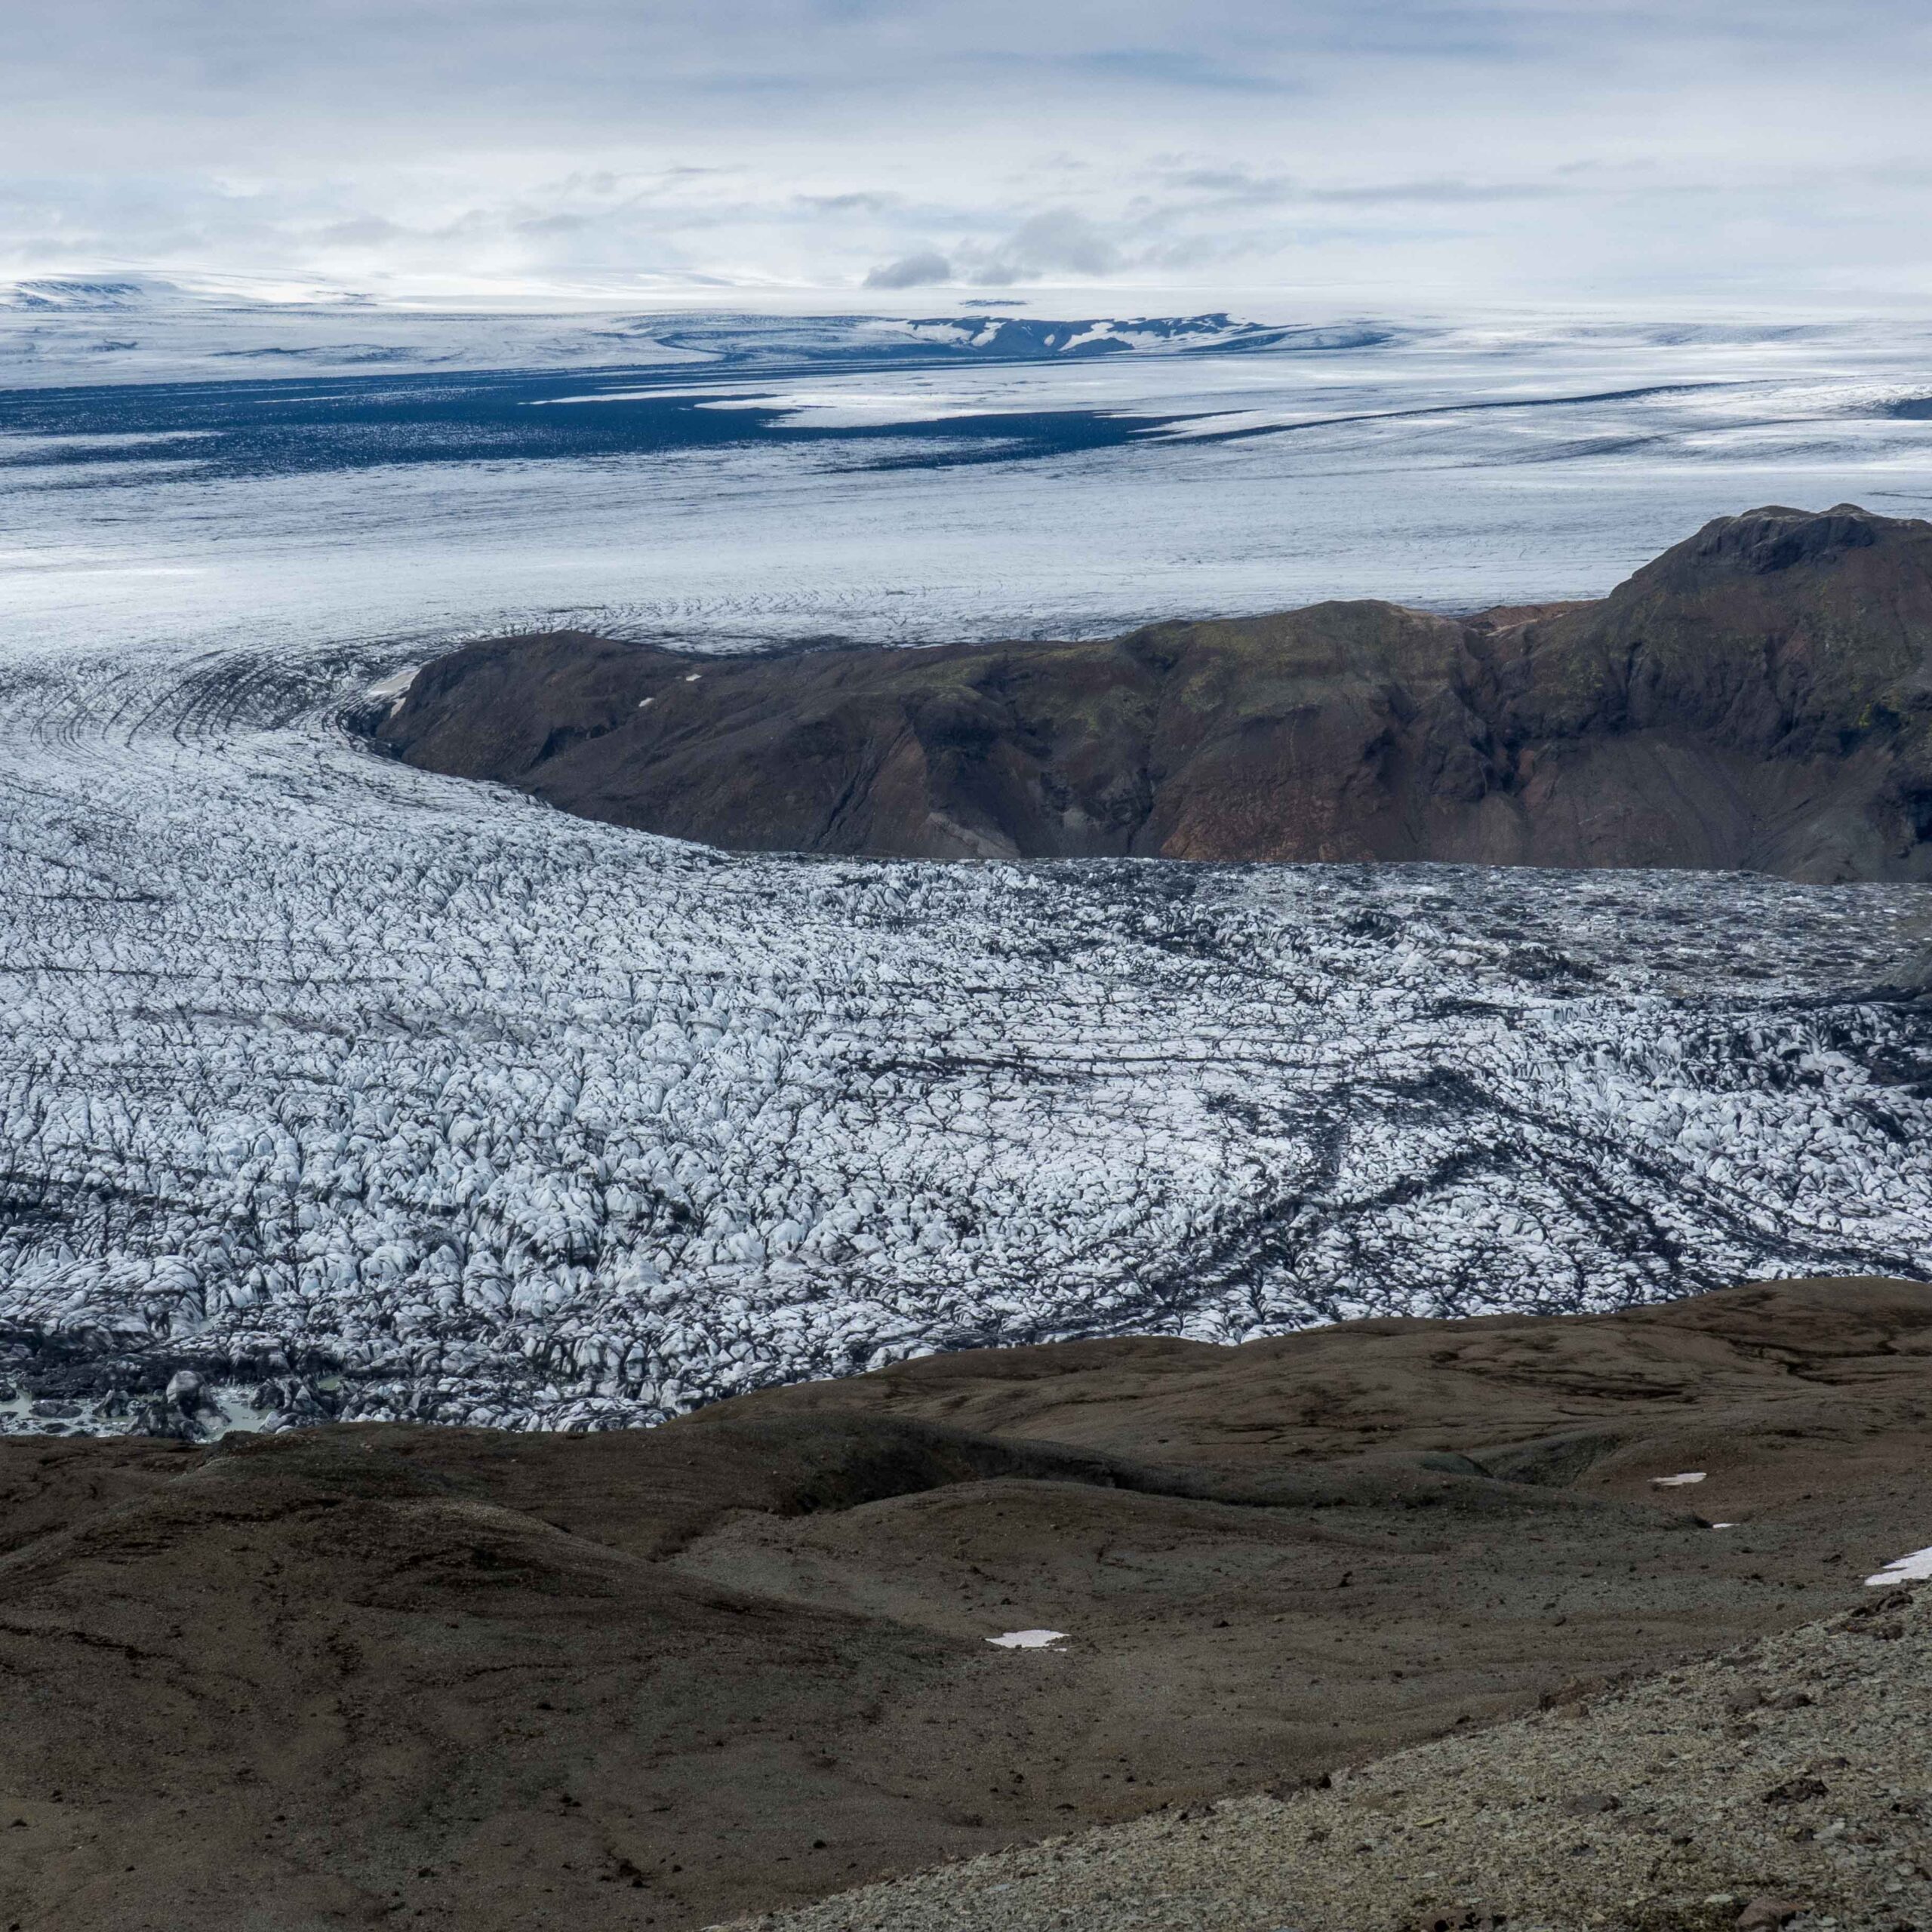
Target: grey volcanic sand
[(363, 1674), (1789, 1782)]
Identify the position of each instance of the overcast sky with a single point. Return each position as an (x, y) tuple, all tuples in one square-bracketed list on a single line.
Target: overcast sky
[(1414, 150)]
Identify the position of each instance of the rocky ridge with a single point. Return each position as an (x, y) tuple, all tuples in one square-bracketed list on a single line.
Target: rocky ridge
[(1759, 697)]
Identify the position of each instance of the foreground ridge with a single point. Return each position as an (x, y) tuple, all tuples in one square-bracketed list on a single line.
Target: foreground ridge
[(663, 1678)]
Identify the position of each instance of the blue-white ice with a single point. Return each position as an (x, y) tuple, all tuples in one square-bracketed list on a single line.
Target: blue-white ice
[(887, 479), (361, 1090)]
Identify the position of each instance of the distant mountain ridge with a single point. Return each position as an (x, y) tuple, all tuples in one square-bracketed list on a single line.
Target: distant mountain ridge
[(64, 293), (192, 327), (1759, 697), (121, 294), (998, 334)]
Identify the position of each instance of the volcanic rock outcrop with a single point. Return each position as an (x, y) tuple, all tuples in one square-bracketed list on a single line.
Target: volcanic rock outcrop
[(1760, 697)]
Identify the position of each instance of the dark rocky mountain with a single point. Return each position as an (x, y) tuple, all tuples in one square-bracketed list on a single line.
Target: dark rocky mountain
[(1759, 697), (361, 1676)]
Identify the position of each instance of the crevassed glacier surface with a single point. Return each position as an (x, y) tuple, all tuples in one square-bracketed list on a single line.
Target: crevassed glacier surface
[(364, 1092), (354, 1090)]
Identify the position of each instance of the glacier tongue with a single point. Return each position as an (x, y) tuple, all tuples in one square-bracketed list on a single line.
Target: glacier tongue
[(365, 1093)]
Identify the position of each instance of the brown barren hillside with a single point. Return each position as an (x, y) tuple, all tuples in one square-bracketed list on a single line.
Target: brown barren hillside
[(446, 1678), (1758, 697)]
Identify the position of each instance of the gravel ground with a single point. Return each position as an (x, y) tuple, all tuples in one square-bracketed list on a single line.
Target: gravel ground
[(1787, 1783)]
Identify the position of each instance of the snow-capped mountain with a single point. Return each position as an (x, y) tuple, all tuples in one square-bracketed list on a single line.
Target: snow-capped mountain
[(67, 295), (162, 295), (217, 328)]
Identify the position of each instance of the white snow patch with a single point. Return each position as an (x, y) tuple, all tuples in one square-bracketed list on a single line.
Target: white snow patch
[(1678, 1481), (1914, 1568), (396, 687), (1028, 1640), (855, 407)]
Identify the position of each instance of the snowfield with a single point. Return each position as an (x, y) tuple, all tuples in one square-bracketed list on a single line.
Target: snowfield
[(237, 477), (355, 1090)]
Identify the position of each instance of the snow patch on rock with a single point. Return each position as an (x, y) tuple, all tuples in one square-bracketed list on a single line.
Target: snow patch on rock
[(1916, 1568)]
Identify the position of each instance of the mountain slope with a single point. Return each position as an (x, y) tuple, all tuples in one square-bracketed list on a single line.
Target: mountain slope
[(1759, 698), (474, 1679), (1782, 1784)]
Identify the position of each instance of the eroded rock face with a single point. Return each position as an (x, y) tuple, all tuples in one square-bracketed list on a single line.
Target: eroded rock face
[(1758, 698)]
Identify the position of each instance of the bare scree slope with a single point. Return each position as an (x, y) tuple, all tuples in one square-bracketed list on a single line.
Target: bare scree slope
[(1759, 697)]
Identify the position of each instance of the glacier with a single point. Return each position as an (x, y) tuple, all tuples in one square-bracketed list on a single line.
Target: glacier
[(331, 1088), (180, 472), (370, 1093)]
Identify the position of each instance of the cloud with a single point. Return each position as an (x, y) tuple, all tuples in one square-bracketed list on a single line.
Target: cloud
[(1056, 241), (1168, 68), (1498, 148), (1228, 187), (918, 271), (1442, 194), (367, 231), (858, 202)]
